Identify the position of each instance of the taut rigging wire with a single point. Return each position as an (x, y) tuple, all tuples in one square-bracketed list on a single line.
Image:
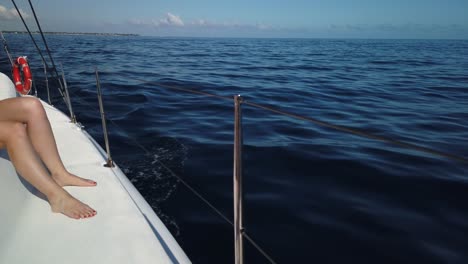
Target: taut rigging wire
[(37, 47), (316, 121)]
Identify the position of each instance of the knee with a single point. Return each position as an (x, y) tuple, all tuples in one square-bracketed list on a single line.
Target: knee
[(34, 107)]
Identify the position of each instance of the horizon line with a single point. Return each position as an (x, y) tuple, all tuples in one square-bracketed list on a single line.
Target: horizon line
[(214, 37)]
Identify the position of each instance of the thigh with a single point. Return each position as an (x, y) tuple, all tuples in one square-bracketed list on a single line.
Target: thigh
[(16, 109)]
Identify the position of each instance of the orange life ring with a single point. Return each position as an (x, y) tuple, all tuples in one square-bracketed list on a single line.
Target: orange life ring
[(23, 87)]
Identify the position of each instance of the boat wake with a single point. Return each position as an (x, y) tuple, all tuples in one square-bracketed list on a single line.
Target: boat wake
[(149, 172)]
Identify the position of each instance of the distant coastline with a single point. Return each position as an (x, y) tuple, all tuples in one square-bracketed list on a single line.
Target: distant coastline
[(71, 33)]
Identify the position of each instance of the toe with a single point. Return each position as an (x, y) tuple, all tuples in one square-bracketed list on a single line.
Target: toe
[(90, 181), (88, 211)]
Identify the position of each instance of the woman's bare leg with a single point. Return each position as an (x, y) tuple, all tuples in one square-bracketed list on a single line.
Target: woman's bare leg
[(30, 111), (14, 136)]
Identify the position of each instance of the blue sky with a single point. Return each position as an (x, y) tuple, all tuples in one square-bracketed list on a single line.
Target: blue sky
[(254, 18)]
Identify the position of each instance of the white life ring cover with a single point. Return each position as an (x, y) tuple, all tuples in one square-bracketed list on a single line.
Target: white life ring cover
[(7, 88)]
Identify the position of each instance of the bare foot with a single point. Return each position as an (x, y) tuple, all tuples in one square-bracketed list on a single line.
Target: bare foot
[(66, 204), (68, 179)]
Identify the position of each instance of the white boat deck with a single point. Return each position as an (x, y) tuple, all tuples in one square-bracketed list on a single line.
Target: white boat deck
[(125, 230)]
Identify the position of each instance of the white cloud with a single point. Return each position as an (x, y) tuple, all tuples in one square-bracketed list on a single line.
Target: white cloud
[(8, 14), (202, 23), (174, 20), (263, 26), (174, 25), (137, 22), (169, 20)]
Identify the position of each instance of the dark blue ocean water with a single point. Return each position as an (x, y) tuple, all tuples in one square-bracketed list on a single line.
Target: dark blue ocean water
[(313, 195)]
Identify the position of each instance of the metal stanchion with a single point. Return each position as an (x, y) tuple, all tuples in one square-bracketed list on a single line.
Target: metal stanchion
[(238, 195), (47, 82), (109, 162), (67, 97)]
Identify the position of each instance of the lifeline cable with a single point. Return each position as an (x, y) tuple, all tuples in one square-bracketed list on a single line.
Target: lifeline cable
[(29, 32), (46, 46), (193, 190), (344, 129), (7, 50), (38, 49)]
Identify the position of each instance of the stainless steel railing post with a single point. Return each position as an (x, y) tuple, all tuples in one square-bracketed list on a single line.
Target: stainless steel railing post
[(238, 195), (67, 97), (109, 162), (47, 82)]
